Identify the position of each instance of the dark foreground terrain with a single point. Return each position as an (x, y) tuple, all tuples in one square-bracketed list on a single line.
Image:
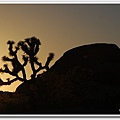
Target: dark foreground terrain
[(85, 80)]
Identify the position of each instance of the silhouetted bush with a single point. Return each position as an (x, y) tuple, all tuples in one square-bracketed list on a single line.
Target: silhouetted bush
[(30, 47)]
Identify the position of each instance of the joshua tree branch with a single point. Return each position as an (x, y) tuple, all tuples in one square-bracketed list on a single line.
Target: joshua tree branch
[(10, 81), (27, 41), (40, 68), (50, 57), (25, 60), (4, 58), (10, 48), (6, 70), (36, 49), (24, 47), (32, 66)]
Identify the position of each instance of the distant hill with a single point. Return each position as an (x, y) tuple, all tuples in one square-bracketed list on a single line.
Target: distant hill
[(86, 79)]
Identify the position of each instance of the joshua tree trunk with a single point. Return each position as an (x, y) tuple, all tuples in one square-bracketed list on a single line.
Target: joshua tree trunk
[(33, 67), (24, 74)]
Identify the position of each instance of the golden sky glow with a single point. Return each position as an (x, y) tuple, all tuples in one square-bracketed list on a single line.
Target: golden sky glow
[(59, 28)]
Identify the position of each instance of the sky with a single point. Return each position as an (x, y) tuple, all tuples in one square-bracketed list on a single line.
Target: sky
[(59, 28)]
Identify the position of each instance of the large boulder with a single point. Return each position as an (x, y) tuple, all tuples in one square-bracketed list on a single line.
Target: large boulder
[(87, 56), (85, 79), (101, 58)]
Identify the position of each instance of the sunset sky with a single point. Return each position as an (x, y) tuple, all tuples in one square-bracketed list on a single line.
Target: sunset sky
[(59, 28)]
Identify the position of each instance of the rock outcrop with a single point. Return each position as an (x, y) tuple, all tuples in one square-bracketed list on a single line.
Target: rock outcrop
[(101, 58), (87, 56)]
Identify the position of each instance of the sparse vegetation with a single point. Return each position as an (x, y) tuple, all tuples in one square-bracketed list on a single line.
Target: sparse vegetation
[(30, 47)]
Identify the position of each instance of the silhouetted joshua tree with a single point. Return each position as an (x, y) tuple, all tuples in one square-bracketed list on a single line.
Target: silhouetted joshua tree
[(30, 46)]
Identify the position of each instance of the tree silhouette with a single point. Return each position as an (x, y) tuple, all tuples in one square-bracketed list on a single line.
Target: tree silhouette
[(30, 47)]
